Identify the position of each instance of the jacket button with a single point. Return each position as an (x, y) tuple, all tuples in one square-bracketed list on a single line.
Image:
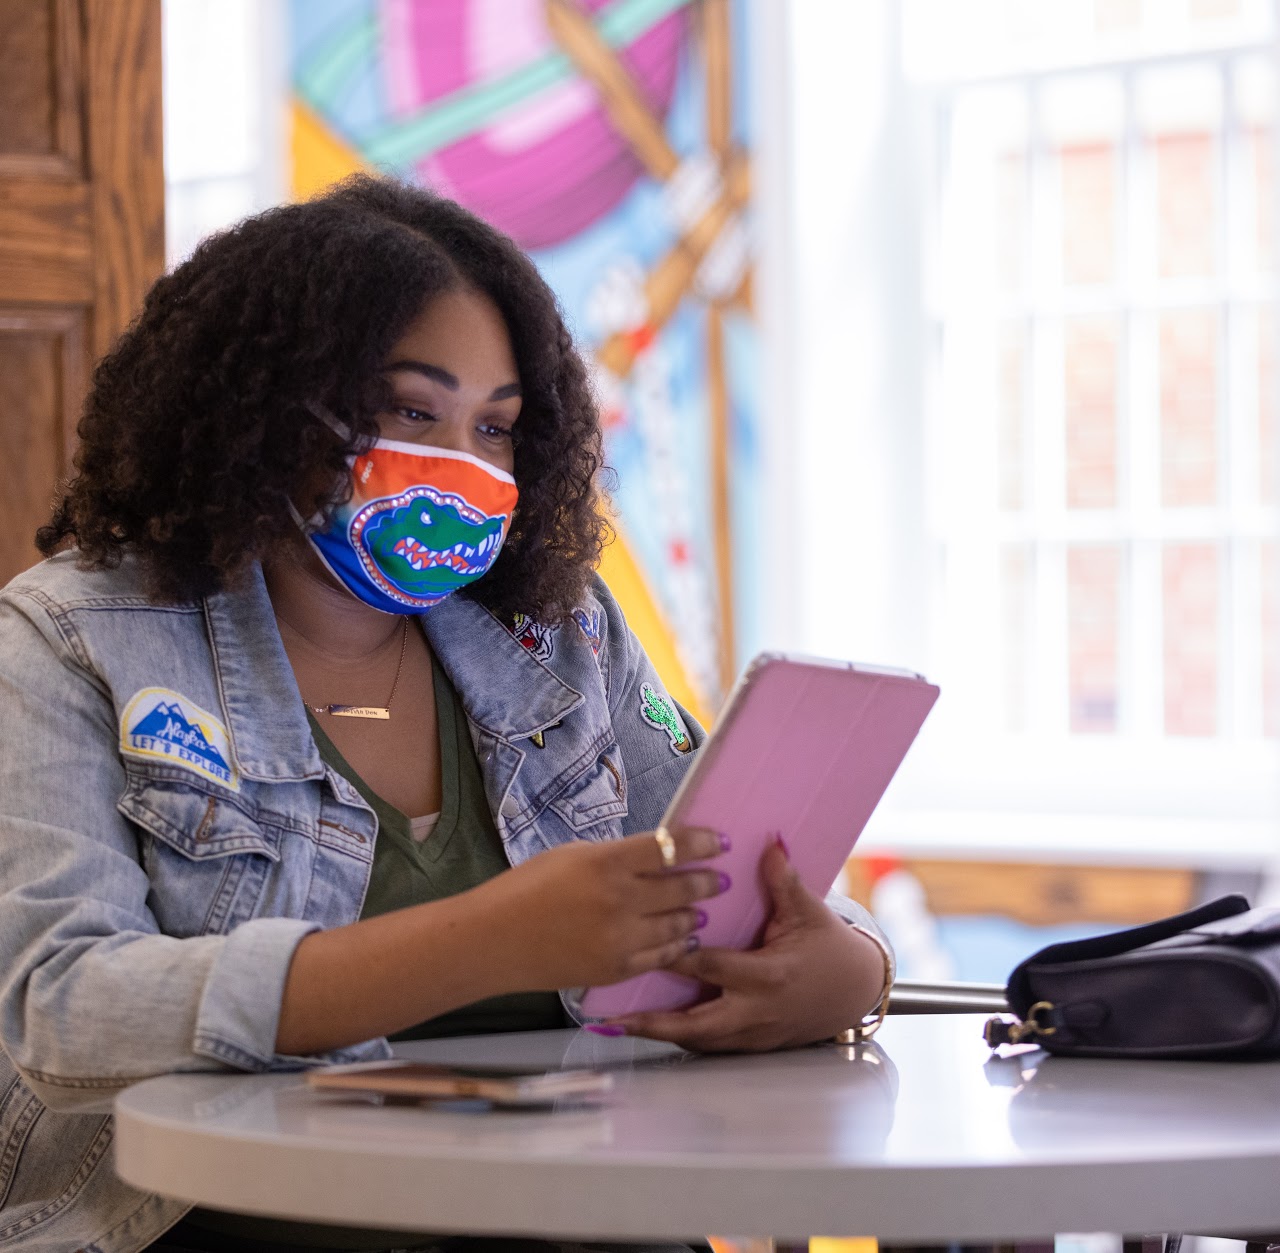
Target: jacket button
[(510, 807), (202, 831), (613, 770)]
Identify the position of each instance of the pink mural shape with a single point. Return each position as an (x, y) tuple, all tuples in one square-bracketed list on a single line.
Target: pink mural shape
[(541, 171)]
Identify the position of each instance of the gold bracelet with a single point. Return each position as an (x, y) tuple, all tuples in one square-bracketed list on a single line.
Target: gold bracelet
[(870, 1024)]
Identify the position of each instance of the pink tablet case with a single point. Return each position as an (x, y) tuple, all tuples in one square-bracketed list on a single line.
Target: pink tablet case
[(804, 749)]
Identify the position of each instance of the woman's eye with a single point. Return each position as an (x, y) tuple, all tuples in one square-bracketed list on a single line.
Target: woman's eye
[(492, 431), (409, 413)]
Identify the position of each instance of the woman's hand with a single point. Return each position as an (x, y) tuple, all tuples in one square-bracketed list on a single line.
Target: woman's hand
[(579, 914), (812, 976), (591, 914)]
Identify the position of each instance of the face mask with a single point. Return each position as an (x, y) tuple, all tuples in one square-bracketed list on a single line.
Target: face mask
[(421, 523)]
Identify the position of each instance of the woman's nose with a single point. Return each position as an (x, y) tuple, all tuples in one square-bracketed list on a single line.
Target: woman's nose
[(455, 433)]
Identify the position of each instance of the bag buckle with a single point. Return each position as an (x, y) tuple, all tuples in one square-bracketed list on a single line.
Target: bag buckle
[(999, 1031)]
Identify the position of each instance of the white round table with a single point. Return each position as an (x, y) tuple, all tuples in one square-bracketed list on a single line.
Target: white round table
[(922, 1140)]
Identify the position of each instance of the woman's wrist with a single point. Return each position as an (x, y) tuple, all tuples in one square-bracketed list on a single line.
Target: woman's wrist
[(868, 1023)]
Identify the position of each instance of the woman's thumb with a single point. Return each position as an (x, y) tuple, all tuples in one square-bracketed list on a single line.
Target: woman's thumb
[(787, 893)]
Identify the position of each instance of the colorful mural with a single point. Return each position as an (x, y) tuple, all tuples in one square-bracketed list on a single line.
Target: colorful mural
[(608, 138)]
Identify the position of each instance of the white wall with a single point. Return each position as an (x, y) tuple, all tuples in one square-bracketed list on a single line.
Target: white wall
[(856, 391), (225, 78)]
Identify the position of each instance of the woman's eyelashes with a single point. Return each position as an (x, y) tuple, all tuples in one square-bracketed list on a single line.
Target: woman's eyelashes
[(496, 431), (491, 431), (413, 415)]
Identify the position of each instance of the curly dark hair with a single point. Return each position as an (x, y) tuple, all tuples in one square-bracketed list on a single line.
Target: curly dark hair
[(199, 428)]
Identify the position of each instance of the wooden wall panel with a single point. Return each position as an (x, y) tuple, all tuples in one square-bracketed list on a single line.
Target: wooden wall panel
[(46, 242), (126, 158), (42, 99), (81, 226), (27, 90), (42, 380), (1037, 894)]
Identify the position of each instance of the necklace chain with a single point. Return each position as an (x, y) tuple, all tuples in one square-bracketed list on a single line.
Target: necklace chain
[(380, 712)]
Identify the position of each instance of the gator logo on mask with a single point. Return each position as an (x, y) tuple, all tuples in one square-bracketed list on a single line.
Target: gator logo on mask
[(421, 522), (424, 544)]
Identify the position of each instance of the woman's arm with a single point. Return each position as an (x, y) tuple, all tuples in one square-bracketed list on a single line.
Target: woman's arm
[(576, 915), (93, 996)]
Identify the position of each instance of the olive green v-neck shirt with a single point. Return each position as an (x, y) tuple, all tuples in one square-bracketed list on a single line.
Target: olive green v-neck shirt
[(463, 850)]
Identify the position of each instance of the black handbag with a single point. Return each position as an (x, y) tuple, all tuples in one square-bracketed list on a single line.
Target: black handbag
[(1204, 984)]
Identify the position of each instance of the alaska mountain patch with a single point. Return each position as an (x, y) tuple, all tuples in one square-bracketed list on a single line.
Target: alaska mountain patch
[(162, 725)]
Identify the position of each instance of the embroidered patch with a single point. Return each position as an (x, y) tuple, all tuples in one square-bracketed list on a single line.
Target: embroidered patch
[(660, 712), (589, 624), (538, 639), (163, 725)]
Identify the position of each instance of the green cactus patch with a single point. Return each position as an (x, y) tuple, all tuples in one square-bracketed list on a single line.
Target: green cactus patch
[(660, 712)]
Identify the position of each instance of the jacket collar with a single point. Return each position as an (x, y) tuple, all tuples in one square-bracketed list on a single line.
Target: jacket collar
[(504, 688), (260, 696)]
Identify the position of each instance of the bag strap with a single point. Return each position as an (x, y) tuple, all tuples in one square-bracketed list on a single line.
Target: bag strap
[(1117, 942)]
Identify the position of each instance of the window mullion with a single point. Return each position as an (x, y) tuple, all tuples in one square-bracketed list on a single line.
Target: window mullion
[(1144, 616), (1230, 710), (1049, 678)]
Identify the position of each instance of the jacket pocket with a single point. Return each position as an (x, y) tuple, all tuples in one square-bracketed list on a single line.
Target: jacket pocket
[(207, 859), (596, 795)]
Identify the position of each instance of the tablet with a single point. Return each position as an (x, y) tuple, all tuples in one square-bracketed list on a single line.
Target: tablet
[(803, 749)]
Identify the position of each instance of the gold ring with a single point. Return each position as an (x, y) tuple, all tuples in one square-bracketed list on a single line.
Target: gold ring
[(667, 847)]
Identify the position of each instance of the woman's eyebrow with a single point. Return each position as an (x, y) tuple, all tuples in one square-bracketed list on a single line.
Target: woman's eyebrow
[(442, 376), (436, 372)]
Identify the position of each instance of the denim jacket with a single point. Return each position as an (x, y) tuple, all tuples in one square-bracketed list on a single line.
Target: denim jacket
[(169, 833)]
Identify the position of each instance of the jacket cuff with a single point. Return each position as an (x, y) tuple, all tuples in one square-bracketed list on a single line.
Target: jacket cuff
[(239, 1010)]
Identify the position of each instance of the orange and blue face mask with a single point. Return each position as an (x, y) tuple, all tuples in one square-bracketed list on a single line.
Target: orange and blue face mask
[(421, 523)]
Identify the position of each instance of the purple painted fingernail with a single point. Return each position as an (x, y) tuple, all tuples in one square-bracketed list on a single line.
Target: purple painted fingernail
[(605, 1028), (725, 882), (702, 917), (725, 842), (692, 944), (782, 844)]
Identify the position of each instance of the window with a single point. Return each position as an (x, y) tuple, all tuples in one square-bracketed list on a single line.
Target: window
[(1095, 225)]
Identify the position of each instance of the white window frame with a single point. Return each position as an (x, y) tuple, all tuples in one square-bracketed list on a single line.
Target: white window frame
[(853, 394)]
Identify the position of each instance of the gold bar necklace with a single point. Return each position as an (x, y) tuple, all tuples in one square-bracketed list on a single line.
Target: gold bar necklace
[(379, 712)]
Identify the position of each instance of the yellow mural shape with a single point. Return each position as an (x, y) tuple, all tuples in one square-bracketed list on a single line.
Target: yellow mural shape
[(319, 157), (621, 571)]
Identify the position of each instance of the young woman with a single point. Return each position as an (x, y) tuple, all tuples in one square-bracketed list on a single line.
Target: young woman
[(317, 728)]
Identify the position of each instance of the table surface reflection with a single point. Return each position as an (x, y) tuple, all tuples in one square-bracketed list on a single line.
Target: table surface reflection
[(922, 1136)]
